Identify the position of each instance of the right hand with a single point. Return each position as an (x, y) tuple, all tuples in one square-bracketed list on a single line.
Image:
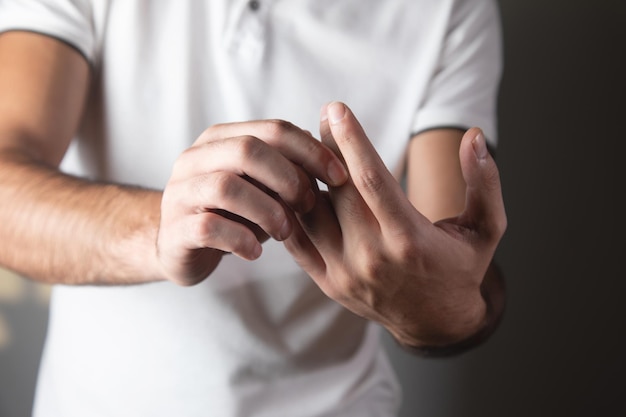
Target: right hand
[(230, 191)]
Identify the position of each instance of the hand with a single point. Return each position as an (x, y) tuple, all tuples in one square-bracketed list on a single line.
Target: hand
[(233, 189), (369, 249)]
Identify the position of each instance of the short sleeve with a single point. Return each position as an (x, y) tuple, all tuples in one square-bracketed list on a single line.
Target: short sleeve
[(67, 20), (464, 87)]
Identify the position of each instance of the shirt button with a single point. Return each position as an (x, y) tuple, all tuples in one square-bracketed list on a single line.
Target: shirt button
[(254, 5)]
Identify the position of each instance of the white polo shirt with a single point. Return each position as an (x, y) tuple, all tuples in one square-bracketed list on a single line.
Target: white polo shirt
[(255, 338)]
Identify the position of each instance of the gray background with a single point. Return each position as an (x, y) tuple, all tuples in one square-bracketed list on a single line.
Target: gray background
[(561, 349)]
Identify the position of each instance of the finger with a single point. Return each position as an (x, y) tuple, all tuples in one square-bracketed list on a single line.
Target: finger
[(251, 157), (229, 192), (316, 240), (260, 234), (211, 230), (350, 208), (304, 252), (295, 144), (300, 244), (320, 224), (484, 208), (377, 186)]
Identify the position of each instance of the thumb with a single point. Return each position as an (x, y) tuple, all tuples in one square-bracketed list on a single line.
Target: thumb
[(484, 206)]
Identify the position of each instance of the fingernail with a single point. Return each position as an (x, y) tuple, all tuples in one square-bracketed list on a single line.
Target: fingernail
[(337, 173), (324, 113), (336, 112), (480, 147)]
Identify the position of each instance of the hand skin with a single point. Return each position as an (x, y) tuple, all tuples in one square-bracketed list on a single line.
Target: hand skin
[(227, 193), (432, 285), (129, 235), (233, 188)]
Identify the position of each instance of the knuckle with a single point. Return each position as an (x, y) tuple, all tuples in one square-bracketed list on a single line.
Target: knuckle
[(373, 262), (209, 134), (249, 147), (345, 288), (183, 161), (406, 246), (332, 292), (291, 177), (273, 220), (204, 229), (296, 185), (373, 268), (370, 181), (314, 147), (275, 128), (185, 155), (204, 137), (209, 231), (223, 185), (317, 154)]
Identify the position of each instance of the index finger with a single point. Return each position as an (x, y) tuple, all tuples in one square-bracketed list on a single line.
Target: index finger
[(296, 144), (376, 185)]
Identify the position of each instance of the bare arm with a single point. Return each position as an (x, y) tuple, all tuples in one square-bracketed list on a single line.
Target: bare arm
[(436, 187), (57, 228), (435, 183), (227, 193)]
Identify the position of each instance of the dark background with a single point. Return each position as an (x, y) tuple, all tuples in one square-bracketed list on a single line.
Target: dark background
[(561, 349)]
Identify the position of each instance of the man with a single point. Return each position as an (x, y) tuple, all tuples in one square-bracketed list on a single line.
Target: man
[(168, 144)]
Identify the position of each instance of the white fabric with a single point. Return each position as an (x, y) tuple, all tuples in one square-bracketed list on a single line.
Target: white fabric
[(256, 338)]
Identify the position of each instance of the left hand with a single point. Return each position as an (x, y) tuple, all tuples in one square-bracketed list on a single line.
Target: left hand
[(368, 248)]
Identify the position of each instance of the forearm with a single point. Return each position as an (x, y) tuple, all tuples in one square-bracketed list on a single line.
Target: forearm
[(61, 229)]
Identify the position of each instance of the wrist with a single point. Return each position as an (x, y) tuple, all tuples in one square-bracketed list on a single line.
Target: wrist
[(493, 293)]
